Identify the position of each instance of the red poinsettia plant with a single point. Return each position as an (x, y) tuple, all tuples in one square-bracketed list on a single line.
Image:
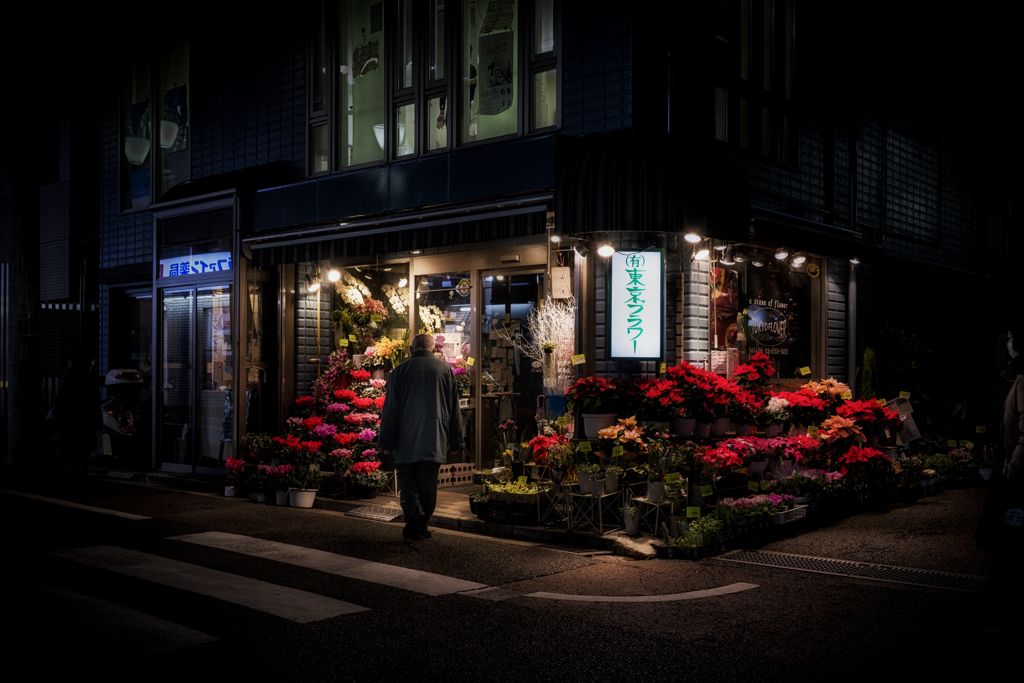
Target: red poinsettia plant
[(236, 471), (872, 417), (542, 444), (658, 400), (597, 395), (755, 374), (863, 463), (805, 406)]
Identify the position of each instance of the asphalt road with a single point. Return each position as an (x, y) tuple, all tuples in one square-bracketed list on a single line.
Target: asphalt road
[(90, 592)]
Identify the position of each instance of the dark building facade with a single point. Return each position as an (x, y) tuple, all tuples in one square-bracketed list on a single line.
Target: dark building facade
[(431, 143)]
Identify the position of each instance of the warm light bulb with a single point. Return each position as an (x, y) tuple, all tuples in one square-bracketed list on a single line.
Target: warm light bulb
[(403, 282), (854, 260), (606, 249), (334, 275), (556, 239), (799, 258), (501, 277), (727, 258), (781, 253), (702, 254), (692, 237)]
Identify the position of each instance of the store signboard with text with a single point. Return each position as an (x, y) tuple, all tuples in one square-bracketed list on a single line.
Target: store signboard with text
[(196, 264), (636, 282)]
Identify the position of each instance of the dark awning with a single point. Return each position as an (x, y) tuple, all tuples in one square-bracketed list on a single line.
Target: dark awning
[(625, 181)]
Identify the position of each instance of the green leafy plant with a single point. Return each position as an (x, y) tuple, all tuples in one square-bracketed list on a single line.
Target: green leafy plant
[(706, 531), (307, 479)]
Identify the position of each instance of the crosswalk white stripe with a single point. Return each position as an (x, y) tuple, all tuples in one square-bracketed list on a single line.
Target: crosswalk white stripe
[(69, 504), (99, 623), (389, 575), (288, 603)]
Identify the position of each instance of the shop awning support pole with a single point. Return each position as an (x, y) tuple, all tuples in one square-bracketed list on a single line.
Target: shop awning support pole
[(851, 329)]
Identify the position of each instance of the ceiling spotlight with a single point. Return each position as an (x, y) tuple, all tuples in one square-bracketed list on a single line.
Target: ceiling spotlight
[(606, 249), (312, 284), (721, 247), (556, 239), (403, 282), (416, 251), (782, 253), (727, 258), (693, 237), (854, 260), (501, 277), (581, 250), (799, 258), (334, 275), (757, 259), (702, 253), (739, 255)]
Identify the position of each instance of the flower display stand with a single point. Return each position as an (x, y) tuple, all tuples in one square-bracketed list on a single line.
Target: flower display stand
[(601, 513), (652, 515)]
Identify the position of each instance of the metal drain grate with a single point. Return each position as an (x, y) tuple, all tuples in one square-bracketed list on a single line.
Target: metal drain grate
[(861, 570), (383, 513)]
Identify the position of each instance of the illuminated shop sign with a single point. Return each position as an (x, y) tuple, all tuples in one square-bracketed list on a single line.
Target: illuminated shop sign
[(635, 303), (196, 264)]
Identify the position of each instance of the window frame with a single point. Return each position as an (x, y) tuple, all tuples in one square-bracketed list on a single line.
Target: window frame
[(324, 18)]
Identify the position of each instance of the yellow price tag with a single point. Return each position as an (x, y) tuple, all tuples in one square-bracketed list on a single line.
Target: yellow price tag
[(882, 402), (692, 512), (562, 420), (352, 337), (470, 361), (963, 442), (805, 371), (343, 342), (672, 477), (952, 443), (617, 451), (970, 444), (579, 359), (812, 430), (706, 491), (662, 369), (905, 394), (522, 481), (848, 395), (585, 447), (979, 430), (752, 485), (376, 317)]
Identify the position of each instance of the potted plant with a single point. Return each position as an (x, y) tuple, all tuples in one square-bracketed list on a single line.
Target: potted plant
[(367, 478), (598, 399), (774, 415), (253, 447), (658, 400), (597, 481), (304, 485), (611, 482), (281, 478), (263, 483), (235, 476), (480, 505), (631, 516), (561, 458)]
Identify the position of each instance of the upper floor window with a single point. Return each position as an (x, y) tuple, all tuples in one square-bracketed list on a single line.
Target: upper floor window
[(156, 131), (393, 79), (755, 67)]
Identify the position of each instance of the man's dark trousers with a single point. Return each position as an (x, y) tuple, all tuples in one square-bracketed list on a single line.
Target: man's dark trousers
[(417, 483)]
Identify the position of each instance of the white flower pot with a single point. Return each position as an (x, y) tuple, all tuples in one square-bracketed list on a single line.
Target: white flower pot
[(597, 487), (632, 524), (986, 473), (282, 498), (611, 483), (683, 426), (595, 422), (230, 491), (720, 427), (584, 481), (358, 359), (655, 491), (301, 498), (771, 431)]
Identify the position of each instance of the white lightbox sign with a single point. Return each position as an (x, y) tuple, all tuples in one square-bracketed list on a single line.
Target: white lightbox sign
[(636, 282), (195, 264)]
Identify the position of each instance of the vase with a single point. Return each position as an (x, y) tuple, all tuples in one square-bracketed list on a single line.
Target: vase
[(282, 498), (611, 482), (702, 429), (230, 491), (742, 430), (683, 426), (301, 498), (597, 487), (632, 523), (595, 422), (358, 359), (720, 427), (557, 475), (771, 430), (252, 495), (584, 481), (655, 491), (556, 404)]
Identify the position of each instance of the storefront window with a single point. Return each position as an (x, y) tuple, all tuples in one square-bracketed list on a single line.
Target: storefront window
[(214, 374), (490, 69), (545, 99), (362, 92), (136, 133), (175, 129), (175, 445), (765, 309), (196, 244)]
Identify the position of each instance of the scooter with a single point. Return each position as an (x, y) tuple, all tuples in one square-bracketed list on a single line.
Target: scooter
[(123, 386)]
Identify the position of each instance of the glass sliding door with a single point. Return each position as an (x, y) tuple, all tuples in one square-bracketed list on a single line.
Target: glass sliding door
[(175, 377), (213, 377)]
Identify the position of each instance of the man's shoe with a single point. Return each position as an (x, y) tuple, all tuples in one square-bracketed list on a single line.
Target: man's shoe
[(414, 526)]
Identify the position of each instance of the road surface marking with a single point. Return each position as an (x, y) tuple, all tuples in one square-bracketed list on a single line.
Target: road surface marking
[(288, 603), (68, 503), (672, 597), (99, 624), (331, 563)]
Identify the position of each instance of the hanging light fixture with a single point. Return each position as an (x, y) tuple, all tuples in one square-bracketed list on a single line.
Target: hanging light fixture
[(606, 249), (855, 260), (556, 239), (739, 255), (693, 237), (334, 275), (757, 259), (782, 253), (727, 258), (799, 258), (403, 282), (312, 284), (721, 247), (701, 253)]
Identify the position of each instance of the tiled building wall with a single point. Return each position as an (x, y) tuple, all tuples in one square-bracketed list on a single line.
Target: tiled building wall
[(596, 67), (305, 327)]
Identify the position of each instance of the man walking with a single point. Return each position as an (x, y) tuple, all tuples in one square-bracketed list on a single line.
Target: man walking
[(420, 425)]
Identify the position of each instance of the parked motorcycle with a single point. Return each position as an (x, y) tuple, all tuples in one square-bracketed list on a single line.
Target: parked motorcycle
[(123, 386)]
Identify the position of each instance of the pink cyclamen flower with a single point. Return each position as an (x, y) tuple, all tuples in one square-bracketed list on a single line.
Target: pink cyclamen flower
[(370, 350), (367, 435), (338, 408), (378, 383), (341, 453), (294, 422), (370, 453), (325, 430)]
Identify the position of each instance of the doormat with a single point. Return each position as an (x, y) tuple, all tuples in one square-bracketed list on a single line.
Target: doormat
[(382, 513)]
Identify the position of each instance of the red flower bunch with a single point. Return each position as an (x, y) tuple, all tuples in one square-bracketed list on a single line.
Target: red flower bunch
[(311, 423), (306, 401), (590, 393), (541, 444), (859, 459), (362, 403), (658, 399), (721, 457), (762, 364), (360, 375), (344, 394), (312, 446), (234, 466), (806, 407), (872, 417), (345, 438), (365, 467), (378, 403), (289, 442)]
